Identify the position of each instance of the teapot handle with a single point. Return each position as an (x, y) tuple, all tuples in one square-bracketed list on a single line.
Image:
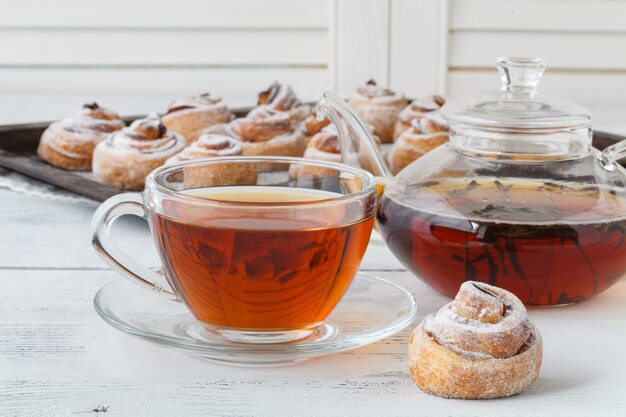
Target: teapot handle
[(609, 156)]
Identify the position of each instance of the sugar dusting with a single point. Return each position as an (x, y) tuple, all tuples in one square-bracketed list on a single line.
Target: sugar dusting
[(476, 368), (476, 338)]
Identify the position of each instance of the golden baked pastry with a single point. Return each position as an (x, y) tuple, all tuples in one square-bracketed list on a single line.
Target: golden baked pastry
[(124, 159), (190, 115), (281, 98), (379, 107), (312, 126), (69, 143), (425, 135), (416, 110), (267, 132), (324, 146), (481, 345), (209, 146)]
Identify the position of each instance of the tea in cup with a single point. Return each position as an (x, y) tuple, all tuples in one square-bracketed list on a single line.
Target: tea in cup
[(263, 259)]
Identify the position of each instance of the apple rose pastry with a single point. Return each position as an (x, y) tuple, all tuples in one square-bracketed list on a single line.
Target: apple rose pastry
[(312, 125), (69, 143), (379, 107), (268, 132), (281, 98), (210, 146), (481, 345), (125, 158), (425, 135), (416, 110), (324, 146), (189, 116)]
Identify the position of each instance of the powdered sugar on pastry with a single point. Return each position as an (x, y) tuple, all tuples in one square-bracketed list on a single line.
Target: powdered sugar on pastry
[(378, 107), (125, 158), (481, 345), (189, 116), (70, 143), (281, 98)]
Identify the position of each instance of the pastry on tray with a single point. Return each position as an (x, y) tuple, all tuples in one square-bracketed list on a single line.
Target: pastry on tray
[(481, 345), (190, 115), (125, 158), (209, 146), (281, 98), (324, 146), (426, 134), (267, 132), (69, 143), (379, 107), (312, 125), (416, 110)]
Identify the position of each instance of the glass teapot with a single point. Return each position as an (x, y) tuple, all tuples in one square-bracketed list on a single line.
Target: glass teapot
[(517, 198)]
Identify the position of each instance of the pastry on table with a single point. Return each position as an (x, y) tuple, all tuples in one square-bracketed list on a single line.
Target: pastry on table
[(281, 98), (481, 345), (210, 146), (379, 107), (267, 132), (124, 158), (69, 143), (190, 115), (416, 110), (425, 135)]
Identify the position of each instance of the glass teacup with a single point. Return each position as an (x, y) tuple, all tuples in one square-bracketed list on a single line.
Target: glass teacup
[(259, 249)]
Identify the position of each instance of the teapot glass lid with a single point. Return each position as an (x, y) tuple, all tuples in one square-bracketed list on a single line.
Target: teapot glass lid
[(518, 112), (518, 104)]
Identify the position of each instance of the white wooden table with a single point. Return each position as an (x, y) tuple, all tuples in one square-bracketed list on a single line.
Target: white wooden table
[(57, 358)]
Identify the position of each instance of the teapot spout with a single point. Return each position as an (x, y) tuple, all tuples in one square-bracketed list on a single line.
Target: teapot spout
[(358, 147)]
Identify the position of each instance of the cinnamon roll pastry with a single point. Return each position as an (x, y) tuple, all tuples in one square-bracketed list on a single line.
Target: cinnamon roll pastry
[(281, 98), (268, 132), (210, 146), (190, 115), (379, 107), (481, 345), (425, 135), (312, 126), (324, 146), (416, 110), (69, 143), (125, 158), (220, 129)]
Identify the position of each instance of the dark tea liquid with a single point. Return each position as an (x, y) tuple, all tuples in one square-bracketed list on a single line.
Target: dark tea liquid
[(548, 243), (255, 273)]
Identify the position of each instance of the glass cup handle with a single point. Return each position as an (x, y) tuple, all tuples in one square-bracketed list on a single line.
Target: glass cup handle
[(103, 219)]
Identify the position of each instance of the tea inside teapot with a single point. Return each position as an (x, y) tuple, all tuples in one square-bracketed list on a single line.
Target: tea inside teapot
[(548, 242)]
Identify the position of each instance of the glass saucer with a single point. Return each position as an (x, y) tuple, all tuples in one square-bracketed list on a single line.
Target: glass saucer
[(372, 309)]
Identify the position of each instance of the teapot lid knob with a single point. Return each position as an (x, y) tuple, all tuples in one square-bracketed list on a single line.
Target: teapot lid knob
[(520, 75)]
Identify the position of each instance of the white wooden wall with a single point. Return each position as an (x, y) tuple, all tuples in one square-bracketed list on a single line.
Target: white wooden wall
[(232, 47), (236, 47), (583, 41), (450, 46)]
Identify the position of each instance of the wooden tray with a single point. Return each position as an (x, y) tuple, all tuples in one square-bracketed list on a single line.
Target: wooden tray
[(18, 146), (18, 152)]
